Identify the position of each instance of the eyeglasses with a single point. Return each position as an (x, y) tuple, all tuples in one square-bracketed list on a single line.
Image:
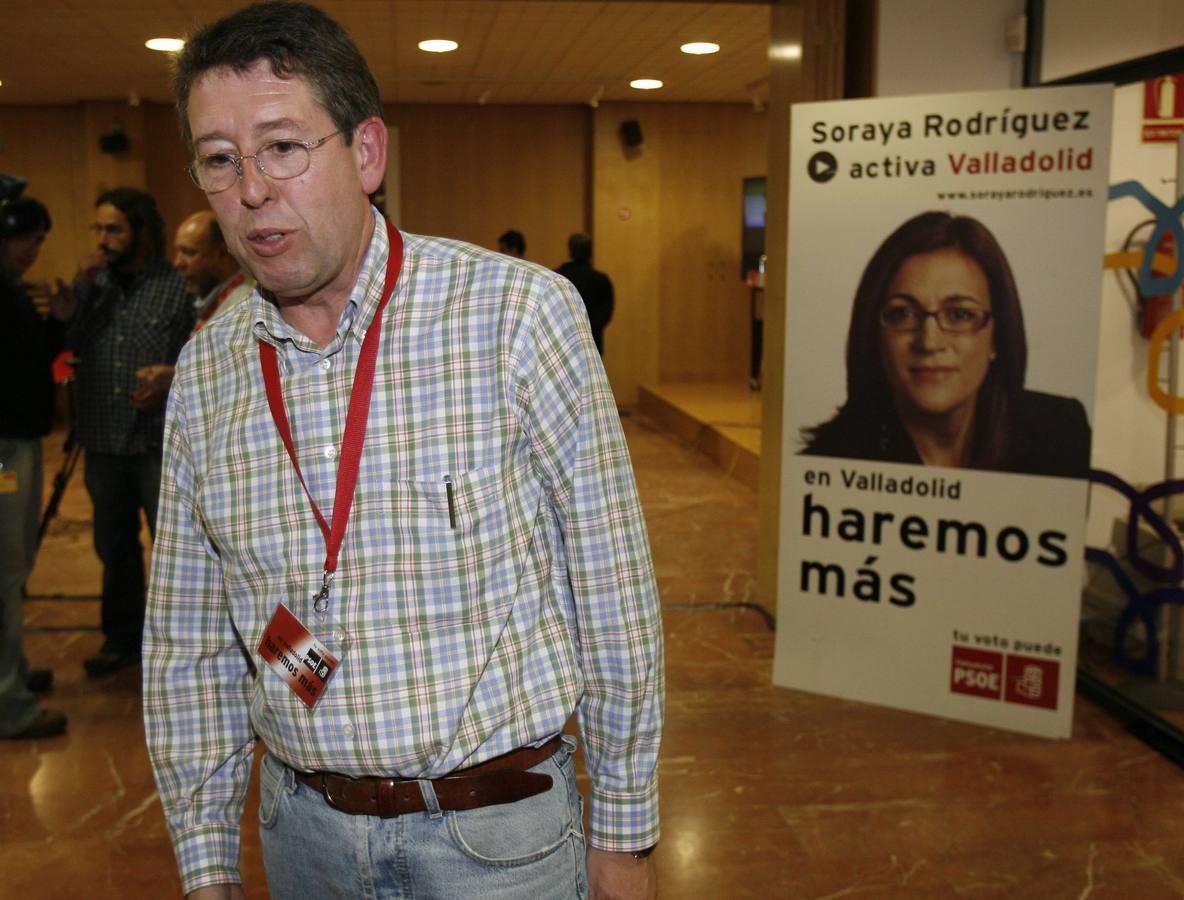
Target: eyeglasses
[(278, 160), (962, 318)]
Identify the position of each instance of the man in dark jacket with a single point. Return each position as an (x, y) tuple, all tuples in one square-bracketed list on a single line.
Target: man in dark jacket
[(26, 414), (596, 290)]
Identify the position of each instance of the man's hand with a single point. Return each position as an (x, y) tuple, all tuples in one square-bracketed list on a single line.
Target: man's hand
[(218, 892), (153, 383), (61, 300), (618, 876)]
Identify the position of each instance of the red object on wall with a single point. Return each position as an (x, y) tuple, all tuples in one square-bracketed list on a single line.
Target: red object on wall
[(1163, 108), (1157, 306)]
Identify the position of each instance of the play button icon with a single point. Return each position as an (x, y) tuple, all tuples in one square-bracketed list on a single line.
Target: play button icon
[(822, 166)]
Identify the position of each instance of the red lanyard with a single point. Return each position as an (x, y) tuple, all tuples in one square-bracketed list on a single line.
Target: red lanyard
[(222, 295), (355, 421)]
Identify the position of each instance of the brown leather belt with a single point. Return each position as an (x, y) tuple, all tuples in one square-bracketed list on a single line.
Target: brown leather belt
[(503, 779)]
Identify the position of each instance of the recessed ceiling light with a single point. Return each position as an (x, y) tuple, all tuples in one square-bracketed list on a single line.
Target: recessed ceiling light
[(438, 45), (785, 51), (645, 84), (165, 45), (699, 48)]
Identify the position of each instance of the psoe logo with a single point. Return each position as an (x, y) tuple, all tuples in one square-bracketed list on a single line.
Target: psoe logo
[(976, 672), (1032, 681)]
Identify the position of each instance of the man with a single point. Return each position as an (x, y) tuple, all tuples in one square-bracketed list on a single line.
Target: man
[(512, 243), (26, 414), (410, 664), (127, 309), (596, 290), (212, 275), (210, 272)]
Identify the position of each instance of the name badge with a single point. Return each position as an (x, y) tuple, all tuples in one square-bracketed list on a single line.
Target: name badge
[(303, 662)]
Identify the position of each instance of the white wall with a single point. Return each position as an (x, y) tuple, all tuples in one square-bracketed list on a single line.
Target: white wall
[(1080, 35), (1130, 430), (926, 46), (932, 46)]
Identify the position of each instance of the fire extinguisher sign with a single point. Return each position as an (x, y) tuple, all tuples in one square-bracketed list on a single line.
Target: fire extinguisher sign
[(1163, 109)]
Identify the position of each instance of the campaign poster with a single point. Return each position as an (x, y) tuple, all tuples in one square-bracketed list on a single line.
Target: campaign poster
[(945, 266)]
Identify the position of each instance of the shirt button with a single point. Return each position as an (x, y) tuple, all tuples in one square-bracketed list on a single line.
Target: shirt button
[(348, 730), (326, 364), (116, 392), (339, 634), (330, 453), (362, 334)]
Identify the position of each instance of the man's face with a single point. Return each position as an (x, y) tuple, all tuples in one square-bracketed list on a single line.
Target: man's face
[(196, 257), (18, 254), (303, 238), (117, 242)]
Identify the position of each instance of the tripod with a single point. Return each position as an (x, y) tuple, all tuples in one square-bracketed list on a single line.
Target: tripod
[(72, 449)]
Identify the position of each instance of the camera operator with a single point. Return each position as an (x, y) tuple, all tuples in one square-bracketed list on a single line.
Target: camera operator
[(27, 343)]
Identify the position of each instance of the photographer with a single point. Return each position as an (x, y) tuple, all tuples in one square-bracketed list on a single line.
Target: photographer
[(26, 415)]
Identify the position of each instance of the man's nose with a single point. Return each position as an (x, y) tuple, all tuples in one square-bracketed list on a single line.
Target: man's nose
[(253, 186)]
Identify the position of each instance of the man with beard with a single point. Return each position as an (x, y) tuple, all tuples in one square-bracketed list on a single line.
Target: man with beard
[(127, 309)]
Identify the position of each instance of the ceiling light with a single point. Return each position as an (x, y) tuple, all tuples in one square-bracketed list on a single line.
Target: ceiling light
[(785, 51), (645, 84), (699, 48), (165, 45), (438, 45)]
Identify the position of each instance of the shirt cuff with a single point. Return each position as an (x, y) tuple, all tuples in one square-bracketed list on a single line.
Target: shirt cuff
[(622, 822), (207, 855)]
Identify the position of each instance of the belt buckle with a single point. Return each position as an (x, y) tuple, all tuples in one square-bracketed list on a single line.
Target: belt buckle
[(328, 785)]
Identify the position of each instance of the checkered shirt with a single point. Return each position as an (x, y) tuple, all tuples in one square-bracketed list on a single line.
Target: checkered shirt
[(458, 643), (117, 328)]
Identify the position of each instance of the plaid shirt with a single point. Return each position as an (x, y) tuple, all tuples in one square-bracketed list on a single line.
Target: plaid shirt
[(118, 327), (457, 644)]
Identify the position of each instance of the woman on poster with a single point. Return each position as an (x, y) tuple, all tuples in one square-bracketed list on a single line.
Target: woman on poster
[(936, 358)]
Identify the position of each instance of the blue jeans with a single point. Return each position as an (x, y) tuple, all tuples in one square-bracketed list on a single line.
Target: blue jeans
[(531, 849), (19, 512), (119, 487)]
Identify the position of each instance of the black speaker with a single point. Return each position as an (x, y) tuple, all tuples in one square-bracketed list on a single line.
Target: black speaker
[(631, 133), (114, 141)]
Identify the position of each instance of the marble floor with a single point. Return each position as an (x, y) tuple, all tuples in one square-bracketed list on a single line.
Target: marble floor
[(766, 792)]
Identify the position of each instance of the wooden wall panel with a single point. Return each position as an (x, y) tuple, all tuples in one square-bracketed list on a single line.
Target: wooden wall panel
[(57, 149), (473, 172), (817, 28), (665, 218), (43, 144), (677, 256), (176, 195), (627, 244)]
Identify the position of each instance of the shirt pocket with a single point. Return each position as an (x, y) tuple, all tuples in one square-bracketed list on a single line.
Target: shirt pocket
[(458, 542)]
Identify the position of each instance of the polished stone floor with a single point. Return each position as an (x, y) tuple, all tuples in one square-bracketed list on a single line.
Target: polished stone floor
[(767, 793)]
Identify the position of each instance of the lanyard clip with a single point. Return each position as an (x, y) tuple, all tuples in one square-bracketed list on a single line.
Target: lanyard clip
[(322, 596)]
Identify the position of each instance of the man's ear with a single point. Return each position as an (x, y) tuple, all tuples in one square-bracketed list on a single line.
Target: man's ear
[(370, 152)]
